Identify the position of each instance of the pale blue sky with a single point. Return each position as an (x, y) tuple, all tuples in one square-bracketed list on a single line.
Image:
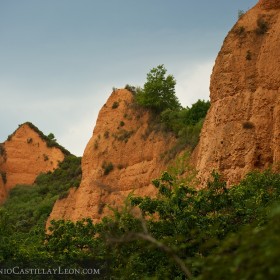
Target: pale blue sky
[(59, 59)]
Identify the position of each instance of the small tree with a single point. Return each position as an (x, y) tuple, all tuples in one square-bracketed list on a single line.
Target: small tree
[(51, 137), (240, 13), (159, 91)]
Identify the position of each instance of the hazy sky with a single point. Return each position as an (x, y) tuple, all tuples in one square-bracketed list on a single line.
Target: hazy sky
[(60, 59)]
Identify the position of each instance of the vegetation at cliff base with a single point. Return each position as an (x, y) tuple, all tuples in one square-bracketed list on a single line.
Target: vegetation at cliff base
[(183, 233), (24, 214), (29, 205)]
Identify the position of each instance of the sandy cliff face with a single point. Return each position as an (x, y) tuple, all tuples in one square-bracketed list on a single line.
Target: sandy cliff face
[(269, 4), (121, 139), (242, 129), (3, 192), (23, 157)]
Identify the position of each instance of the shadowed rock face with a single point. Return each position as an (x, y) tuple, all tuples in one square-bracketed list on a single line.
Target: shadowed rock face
[(123, 140), (23, 157), (3, 192), (242, 129)]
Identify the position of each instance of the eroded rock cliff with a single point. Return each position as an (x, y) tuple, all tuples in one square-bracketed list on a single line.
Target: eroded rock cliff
[(123, 155), (23, 156), (242, 129)]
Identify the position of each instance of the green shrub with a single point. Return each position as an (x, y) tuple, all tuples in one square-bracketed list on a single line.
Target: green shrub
[(122, 123), (107, 167), (63, 195), (262, 26), (115, 105), (46, 158), (68, 174), (186, 123), (51, 137), (130, 88), (248, 125), (240, 30), (106, 134), (124, 135)]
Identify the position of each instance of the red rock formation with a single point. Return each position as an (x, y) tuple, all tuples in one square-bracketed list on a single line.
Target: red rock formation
[(269, 4), (23, 157), (242, 129), (122, 138)]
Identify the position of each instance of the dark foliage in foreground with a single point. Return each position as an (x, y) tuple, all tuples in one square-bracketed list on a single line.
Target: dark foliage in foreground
[(213, 233)]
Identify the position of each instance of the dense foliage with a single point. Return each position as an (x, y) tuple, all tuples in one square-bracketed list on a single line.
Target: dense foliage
[(203, 234), (158, 93), (24, 214), (187, 122), (211, 233)]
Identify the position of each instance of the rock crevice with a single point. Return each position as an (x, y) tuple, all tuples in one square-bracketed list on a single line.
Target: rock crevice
[(23, 157)]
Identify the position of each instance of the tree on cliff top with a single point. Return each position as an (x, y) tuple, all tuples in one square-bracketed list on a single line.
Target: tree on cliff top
[(158, 93)]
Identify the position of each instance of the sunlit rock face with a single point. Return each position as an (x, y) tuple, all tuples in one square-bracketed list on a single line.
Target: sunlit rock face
[(242, 129), (122, 156), (23, 157)]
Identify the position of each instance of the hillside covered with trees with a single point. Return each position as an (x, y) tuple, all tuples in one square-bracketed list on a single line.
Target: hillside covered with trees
[(183, 233)]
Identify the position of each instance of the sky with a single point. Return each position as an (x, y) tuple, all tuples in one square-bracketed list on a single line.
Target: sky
[(60, 59)]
